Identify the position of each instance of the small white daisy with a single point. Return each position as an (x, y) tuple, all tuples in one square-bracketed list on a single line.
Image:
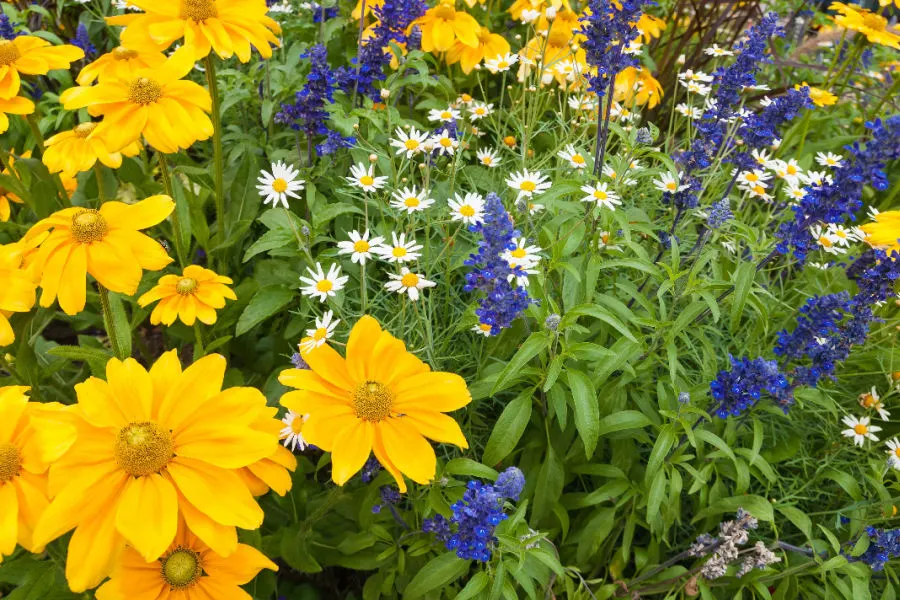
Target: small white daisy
[(894, 453), (523, 254), (464, 99), (521, 270), (530, 15), (527, 184), (829, 159), (292, 434), (761, 157), (872, 401), (320, 285), (816, 178), (534, 209), (444, 143), (825, 240), (479, 110), (669, 183), (614, 175), (320, 334), (714, 50), (410, 200), (482, 329), (282, 182), (603, 242), (360, 247), (409, 143), (282, 8), (790, 171), (601, 195), (365, 179), (754, 177), (444, 115), (584, 102), (572, 156), (841, 235), (488, 157), (501, 62), (859, 429), (408, 283), (691, 75), (469, 208), (400, 250), (757, 190), (692, 112), (695, 87), (795, 194)]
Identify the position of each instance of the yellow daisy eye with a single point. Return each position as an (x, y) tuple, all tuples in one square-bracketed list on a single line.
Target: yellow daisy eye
[(860, 429), (320, 334), (143, 448), (410, 280), (412, 202), (144, 90), (88, 225), (10, 462), (578, 159), (297, 425), (600, 195), (198, 10), (186, 286), (484, 326), (519, 253), (361, 246), (279, 185), (825, 241), (411, 144), (897, 452), (367, 180), (325, 285), (527, 186), (671, 186), (466, 210), (399, 251), (181, 568), (446, 142), (373, 401), (487, 160)]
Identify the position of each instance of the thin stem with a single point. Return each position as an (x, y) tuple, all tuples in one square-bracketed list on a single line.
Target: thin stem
[(217, 152), (109, 322), (101, 193), (363, 286), (198, 336), (176, 222)]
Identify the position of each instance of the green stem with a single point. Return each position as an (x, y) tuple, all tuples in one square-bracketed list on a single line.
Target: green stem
[(890, 94), (217, 153), (109, 322), (39, 151), (198, 336), (363, 286), (101, 193), (176, 223)]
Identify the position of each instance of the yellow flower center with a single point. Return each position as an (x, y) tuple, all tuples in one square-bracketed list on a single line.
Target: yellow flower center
[(825, 241), (412, 202), (361, 246), (466, 210), (509, 141), (10, 462), (868, 400), (484, 327), (604, 237), (325, 285), (860, 429), (445, 11), (410, 280), (578, 159), (297, 425), (320, 334), (88, 225), (446, 114), (481, 111), (181, 568), (367, 180), (503, 64), (186, 286), (466, 97), (9, 52), (143, 448), (399, 251), (446, 142), (897, 451), (752, 177), (671, 185), (487, 160), (123, 53), (84, 129), (373, 401), (791, 170), (198, 10), (873, 21), (411, 144), (600, 195), (279, 185), (758, 189), (558, 37), (527, 186), (519, 253), (144, 91)]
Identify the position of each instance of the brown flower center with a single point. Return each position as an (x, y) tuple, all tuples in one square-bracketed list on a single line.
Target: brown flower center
[(143, 448), (123, 53), (186, 286), (198, 10), (9, 52), (83, 130), (373, 401), (10, 462), (88, 225), (144, 91), (181, 568)]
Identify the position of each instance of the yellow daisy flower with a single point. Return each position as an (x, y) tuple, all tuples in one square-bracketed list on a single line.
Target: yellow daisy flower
[(380, 398), (636, 86), (31, 55), (188, 569), (7, 196), (74, 151), (818, 96), (152, 447), (443, 25), (371, 5), (227, 27), (120, 63), (106, 243), (17, 105), (29, 441), (17, 294), (872, 25), (650, 27), (489, 45), (272, 472), (168, 111), (884, 232), (196, 294)]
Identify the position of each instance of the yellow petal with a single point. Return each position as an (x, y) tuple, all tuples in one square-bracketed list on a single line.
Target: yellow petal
[(147, 516), (201, 483), (352, 450)]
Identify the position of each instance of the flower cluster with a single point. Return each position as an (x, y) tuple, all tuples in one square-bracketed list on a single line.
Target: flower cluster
[(725, 548), (83, 41), (739, 388), (884, 544), (760, 129), (608, 28)]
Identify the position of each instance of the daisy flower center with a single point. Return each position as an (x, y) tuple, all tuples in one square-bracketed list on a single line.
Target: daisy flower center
[(868, 401), (466, 210), (399, 251), (361, 246), (600, 195), (527, 186), (485, 34), (198, 10), (412, 202), (518, 253), (671, 185), (484, 327), (123, 53), (324, 286), (280, 185), (186, 286), (181, 568), (578, 159), (487, 160), (860, 429), (446, 142), (84, 129), (825, 241), (367, 180), (897, 451), (445, 12), (480, 111), (297, 425), (791, 170), (411, 144), (320, 334), (9, 52), (502, 64), (410, 280), (373, 401), (144, 91), (509, 141), (752, 177), (88, 225), (446, 115), (143, 449), (10, 462)]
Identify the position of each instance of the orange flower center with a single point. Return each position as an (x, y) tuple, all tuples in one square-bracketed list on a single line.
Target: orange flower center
[(446, 142), (123, 53), (897, 451), (445, 11), (527, 186), (280, 185), (198, 10), (297, 425), (410, 280), (181, 568), (324, 286), (484, 327), (372, 401), (487, 160), (144, 91), (9, 52), (143, 448), (10, 462), (361, 246), (466, 210), (88, 225), (860, 429), (367, 180), (509, 141), (186, 286), (84, 129)]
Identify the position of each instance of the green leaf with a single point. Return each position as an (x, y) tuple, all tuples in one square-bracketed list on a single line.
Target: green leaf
[(120, 327), (656, 495), (93, 356), (324, 215), (624, 419), (757, 506), (587, 411), (549, 486), (508, 429), (469, 468), (530, 348), (267, 301), (798, 518), (440, 571), (474, 587), (743, 283)]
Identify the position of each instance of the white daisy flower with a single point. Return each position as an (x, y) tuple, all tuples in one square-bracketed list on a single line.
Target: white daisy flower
[(527, 184), (443, 115), (572, 156), (766, 101), (488, 157), (410, 200), (613, 174), (283, 8), (320, 334), (894, 453), (790, 171), (469, 208), (633, 48), (444, 143), (872, 401), (522, 270), (479, 110), (365, 179), (699, 76), (530, 15), (620, 113), (292, 434), (409, 143), (816, 178), (669, 183), (692, 112), (584, 102), (534, 209), (761, 157), (754, 177), (360, 247), (501, 62), (400, 250), (859, 429), (825, 240), (714, 50), (695, 87), (603, 242), (408, 282), (282, 182), (841, 235), (819, 265), (320, 285), (523, 254), (795, 194), (465, 99), (600, 194), (482, 329), (829, 159)]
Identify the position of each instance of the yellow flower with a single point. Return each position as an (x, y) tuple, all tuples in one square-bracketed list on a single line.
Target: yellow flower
[(885, 231), (818, 96), (151, 448), (7, 196), (74, 151), (636, 86), (380, 399), (273, 472), (650, 27), (170, 112), (897, 4), (119, 63), (107, 243), (371, 5), (443, 25), (17, 105), (871, 25), (489, 45), (188, 569), (227, 27), (31, 55), (17, 294), (196, 294)]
